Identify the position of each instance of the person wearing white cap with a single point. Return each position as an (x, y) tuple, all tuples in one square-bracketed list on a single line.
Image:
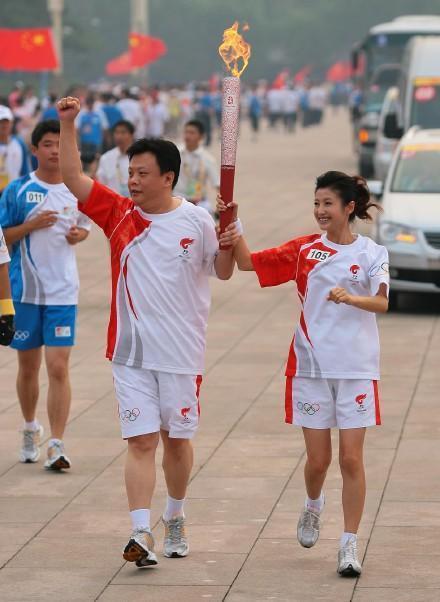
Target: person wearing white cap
[(14, 156)]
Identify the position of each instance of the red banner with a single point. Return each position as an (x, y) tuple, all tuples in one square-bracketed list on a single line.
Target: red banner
[(339, 72), (302, 74), (142, 51), (27, 50)]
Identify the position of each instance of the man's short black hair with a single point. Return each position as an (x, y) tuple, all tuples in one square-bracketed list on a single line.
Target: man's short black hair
[(49, 126), (123, 123), (195, 123), (166, 153)]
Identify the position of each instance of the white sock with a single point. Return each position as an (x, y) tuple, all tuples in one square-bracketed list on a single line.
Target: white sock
[(346, 537), (315, 505), (34, 425), (140, 519), (173, 508), (54, 442)]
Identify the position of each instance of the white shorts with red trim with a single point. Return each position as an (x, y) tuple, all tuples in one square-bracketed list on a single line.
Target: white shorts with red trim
[(150, 400), (322, 403)]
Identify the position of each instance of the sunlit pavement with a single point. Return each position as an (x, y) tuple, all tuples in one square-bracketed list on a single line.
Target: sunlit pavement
[(61, 535)]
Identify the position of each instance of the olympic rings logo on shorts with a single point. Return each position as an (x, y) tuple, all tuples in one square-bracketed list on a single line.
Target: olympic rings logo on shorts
[(308, 408), (129, 415), (21, 335)]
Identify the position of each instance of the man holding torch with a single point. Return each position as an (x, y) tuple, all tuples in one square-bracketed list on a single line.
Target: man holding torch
[(163, 250)]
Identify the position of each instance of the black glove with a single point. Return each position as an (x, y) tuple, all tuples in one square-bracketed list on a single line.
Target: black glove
[(7, 330)]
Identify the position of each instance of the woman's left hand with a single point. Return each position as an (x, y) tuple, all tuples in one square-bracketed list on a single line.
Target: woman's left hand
[(339, 295)]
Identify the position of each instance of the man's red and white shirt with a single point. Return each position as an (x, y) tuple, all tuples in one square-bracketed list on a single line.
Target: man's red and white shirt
[(161, 265), (331, 340)]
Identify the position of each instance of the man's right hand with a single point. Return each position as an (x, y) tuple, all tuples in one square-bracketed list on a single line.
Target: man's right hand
[(68, 108), (45, 219)]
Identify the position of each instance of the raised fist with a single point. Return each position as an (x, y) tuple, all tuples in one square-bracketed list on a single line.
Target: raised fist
[(68, 108)]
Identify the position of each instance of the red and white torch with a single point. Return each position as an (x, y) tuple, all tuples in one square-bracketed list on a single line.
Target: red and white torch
[(235, 52)]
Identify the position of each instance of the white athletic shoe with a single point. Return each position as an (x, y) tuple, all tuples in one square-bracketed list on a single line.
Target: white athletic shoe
[(30, 450), (175, 544), (309, 525), (56, 457), (140, 548), (348, 563)]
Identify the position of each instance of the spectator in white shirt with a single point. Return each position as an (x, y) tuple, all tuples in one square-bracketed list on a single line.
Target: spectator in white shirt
[(14, 156), (198, 167), (157, 116), (131, 111), (113, 165)]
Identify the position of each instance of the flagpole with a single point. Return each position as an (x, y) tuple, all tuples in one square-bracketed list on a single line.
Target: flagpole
[(140, 23), (55, 9)]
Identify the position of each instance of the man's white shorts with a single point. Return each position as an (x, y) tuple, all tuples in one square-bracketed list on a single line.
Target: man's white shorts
[(322, 403), (150, 400)]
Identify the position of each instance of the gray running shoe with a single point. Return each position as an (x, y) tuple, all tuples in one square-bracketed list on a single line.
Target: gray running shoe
[(30, 450), (140, 548), (348, 563), (308, 527), (175, 544), (56, 458)]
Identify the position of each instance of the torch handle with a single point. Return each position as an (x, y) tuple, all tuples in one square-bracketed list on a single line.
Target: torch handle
[(227, 175)]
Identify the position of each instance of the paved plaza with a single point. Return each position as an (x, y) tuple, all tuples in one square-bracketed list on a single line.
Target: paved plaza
[(61, 535)]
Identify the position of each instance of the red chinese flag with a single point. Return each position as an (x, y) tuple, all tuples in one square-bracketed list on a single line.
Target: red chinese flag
[(299, 77), (339, 72), (27, 50), (145, 49), (119, 65), (281, 79)]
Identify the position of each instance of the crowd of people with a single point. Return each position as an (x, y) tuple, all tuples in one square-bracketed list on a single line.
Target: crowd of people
[(112, 117)]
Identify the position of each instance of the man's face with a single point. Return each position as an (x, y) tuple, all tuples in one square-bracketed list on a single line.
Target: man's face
[(5, 128), (192, 137), (145, 181), (47, 152), (122, 137)]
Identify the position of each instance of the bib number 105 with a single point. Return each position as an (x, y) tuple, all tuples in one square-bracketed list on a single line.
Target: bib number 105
[(318, 255)]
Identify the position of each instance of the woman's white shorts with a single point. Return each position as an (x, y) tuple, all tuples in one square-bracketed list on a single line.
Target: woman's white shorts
[(322, 403)]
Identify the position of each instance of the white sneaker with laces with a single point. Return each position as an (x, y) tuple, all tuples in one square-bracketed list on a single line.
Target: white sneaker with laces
[(309, 526), (348, 563), (30, 450), (140, 548), (175, 543), (56, 457)]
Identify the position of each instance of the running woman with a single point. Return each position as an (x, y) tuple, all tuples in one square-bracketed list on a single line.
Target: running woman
[(163, 250), (333, 364), (42, 225)]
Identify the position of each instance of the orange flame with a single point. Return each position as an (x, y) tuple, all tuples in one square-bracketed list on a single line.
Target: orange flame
[(234, 50)]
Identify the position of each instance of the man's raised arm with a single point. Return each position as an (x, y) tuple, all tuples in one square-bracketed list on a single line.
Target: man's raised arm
[(79, 184)]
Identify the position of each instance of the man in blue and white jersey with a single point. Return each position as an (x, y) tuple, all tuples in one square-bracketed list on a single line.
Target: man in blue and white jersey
[(42, 224), (14, 156)]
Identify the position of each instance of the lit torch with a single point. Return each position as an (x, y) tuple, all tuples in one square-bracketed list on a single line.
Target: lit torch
[(235, 52)]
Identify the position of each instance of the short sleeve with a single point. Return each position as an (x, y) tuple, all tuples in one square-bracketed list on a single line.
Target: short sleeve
[(84, 222), (379, 272), (105, 207), (210, 243), (4, 254), (276, 266), (9, 214)]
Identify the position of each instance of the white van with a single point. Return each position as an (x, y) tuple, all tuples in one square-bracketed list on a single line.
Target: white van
[(419, 88), (385, 147)]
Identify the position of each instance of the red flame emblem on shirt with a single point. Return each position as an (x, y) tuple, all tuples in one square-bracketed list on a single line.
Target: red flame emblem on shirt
[(186, 242), (361, 398), (185, 412), (354, 269)]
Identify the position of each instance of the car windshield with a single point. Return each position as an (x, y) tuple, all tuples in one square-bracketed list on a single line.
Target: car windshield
[(417, 169), (425, 110)]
